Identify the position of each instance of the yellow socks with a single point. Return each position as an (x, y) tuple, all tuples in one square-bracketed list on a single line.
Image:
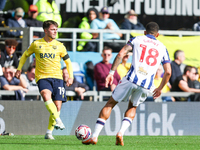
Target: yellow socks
[(51, 107), (52, 122)]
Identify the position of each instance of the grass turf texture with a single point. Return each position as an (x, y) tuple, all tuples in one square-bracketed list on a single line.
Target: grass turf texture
[(37, 142)]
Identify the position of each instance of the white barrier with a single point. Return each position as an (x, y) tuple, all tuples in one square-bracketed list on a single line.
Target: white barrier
[(97, 96), (36, 93)]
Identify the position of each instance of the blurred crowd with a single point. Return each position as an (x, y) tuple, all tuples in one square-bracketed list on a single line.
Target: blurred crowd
[(22, 13)]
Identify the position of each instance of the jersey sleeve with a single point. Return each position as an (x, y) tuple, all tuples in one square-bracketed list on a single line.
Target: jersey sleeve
[(166, 58), (25, 55), (67, 61), (30, 49), (130, 42), (63, 51)]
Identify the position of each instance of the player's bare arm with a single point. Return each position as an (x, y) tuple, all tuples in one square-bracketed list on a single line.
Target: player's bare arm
[(123, 52), (166, 76)]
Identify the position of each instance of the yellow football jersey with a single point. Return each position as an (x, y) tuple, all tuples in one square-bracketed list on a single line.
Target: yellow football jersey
[(48, 57)]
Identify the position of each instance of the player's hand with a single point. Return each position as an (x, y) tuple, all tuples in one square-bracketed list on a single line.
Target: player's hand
[(18, 74), (112, 87), (156, 93), (109, 80), (70, 81)]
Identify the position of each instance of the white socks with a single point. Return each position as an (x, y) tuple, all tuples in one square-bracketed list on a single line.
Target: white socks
[(49, 131), (98, 127), (58, 120), (126, 122)]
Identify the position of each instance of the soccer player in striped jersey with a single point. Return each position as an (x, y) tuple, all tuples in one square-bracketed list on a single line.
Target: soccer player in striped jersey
[(148, 53), (48, 73)]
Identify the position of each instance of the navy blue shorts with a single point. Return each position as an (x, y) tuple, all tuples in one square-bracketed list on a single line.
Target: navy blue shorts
[(56, 86)]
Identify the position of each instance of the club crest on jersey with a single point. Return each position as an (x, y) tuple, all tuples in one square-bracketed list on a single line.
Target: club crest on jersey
[(142, 71), (54, 47), (40, 46)]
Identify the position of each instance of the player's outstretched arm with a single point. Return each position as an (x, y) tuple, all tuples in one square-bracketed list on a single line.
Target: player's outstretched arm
[(165, 79), (109, 80), (21, 63), (70, 71), (123, 52)]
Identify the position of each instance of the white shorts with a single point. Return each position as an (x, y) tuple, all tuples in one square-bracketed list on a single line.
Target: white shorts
[(126, 89)]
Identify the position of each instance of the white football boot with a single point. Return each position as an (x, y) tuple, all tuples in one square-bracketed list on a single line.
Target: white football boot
[(49, 136), (59, 125)]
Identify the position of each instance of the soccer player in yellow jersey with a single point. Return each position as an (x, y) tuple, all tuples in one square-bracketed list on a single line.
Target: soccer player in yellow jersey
[(48, 73)]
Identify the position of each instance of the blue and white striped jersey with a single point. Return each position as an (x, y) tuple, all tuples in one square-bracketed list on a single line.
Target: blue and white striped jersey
[(148, 53)]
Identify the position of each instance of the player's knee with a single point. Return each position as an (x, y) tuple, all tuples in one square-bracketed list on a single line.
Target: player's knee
[(111, 102), (58, 105), (46, 95), (58, 108)]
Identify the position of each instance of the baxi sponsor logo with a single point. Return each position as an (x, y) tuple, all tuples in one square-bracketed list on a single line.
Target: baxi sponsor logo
[(47, 55)]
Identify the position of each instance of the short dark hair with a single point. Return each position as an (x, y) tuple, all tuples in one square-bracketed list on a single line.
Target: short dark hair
[(30, 68), (188, 68), (64, 68), (176, 53), (11, 42), (152, 28), (47, 24), (107, 48)]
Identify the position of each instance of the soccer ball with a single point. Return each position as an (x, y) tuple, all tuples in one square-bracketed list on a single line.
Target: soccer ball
[(83, 132)]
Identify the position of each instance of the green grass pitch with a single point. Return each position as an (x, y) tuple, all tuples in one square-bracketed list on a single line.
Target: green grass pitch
[(37, 142)]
